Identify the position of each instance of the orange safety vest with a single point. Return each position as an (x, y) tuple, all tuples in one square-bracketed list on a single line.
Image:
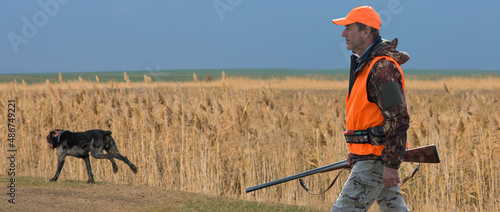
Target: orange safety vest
[(362, 114)]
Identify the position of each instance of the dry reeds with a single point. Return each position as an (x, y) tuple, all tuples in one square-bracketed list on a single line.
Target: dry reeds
[(147, 79), (125, 77), (220, 137), (195, 78)]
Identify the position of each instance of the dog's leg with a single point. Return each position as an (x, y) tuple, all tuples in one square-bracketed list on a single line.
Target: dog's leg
[(113, 151), (99, 155), (96, 152), (60, 164), (89, 170), (118, 156)]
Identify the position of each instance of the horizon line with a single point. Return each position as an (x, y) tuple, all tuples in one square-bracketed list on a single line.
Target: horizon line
[(233, 69)]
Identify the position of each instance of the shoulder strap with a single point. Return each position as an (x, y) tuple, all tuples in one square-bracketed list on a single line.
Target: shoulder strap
[(321, 192)]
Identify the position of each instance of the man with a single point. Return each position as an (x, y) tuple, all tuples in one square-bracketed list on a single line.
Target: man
[(376, 116)]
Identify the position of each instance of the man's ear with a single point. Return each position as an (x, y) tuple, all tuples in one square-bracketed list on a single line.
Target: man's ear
[(367, 31)]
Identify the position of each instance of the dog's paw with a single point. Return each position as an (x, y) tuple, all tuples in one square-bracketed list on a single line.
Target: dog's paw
[(115, 168), (91, 181), (134, 169), (53, 179)]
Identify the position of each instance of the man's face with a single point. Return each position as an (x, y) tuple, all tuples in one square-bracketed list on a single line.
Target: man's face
[(354, 39)]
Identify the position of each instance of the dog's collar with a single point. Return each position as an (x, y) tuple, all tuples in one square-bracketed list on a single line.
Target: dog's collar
[(59, 137)]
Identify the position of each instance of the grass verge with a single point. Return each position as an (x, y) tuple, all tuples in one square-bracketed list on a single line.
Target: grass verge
[(36, 193)]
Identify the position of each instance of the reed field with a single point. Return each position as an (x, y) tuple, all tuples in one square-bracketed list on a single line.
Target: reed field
[(220, 137)]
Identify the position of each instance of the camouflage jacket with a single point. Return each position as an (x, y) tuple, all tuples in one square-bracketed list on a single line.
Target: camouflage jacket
[(396, 118)]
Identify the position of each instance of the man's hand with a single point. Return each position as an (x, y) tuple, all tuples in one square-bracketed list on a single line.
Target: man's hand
[(349, 159), (391, 177)]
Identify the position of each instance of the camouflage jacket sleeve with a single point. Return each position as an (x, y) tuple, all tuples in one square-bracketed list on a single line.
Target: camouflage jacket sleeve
[(385, 88)]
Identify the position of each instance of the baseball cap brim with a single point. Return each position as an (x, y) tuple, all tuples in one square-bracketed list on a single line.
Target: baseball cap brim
[(342, 21)]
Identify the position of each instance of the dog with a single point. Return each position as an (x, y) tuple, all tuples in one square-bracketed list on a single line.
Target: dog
[(80, 144)]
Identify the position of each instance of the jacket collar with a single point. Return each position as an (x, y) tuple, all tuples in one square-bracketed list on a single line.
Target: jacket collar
[(368, 50)]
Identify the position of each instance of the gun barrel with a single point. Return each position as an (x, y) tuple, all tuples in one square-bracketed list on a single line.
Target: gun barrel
[(330, 167), (426, 154)]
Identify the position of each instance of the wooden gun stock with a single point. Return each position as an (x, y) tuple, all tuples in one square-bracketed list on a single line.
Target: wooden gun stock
[(426, 154)]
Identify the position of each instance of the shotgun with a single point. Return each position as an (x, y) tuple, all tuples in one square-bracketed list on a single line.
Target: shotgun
[(426, 154)]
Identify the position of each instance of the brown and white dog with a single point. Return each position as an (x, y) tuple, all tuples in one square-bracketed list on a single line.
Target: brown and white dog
[(79, 144)]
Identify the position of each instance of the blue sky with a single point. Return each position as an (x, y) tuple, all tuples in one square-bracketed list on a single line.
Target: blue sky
[(124, 35)]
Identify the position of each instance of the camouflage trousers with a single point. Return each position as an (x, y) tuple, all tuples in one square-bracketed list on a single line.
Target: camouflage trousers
[(364, 186)]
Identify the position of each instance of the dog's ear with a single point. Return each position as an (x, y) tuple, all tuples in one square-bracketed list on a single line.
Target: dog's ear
[(55, 133)]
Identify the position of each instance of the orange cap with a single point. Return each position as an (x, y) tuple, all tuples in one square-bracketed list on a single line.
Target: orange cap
[(362, 14)]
